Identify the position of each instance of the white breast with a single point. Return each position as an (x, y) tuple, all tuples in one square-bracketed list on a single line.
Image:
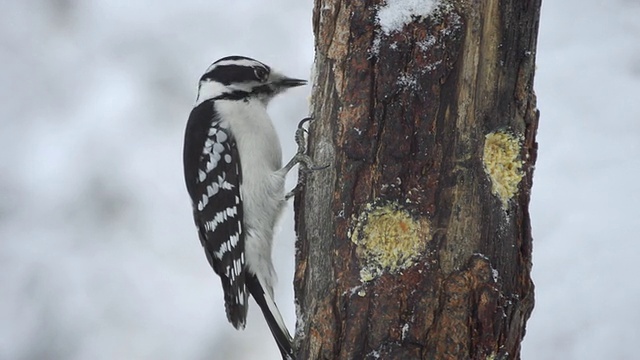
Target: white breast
[(262, 180), (255, 135)]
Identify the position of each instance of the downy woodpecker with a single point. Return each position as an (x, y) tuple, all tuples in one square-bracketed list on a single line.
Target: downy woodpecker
[(234, 176)]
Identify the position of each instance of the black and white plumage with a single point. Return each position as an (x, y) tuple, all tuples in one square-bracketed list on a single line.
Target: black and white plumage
[(234, 176)]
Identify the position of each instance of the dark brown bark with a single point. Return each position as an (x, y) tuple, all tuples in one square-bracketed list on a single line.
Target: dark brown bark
[(416, 242)]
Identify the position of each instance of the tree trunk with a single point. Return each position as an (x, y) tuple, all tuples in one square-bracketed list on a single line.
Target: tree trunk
[(416, 242)]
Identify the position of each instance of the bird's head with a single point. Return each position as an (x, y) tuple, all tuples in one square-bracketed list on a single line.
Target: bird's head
[(240, 78)]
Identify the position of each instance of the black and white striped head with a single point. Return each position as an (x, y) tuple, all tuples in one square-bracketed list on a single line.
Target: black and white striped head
[(242, 78)]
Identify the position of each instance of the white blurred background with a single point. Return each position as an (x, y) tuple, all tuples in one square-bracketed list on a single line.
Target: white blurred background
[(99, 258)]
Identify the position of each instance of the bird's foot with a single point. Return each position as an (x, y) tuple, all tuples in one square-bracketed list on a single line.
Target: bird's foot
[(301, 158)]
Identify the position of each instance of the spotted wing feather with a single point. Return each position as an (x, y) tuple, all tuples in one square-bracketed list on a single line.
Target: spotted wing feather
[(213, 176)]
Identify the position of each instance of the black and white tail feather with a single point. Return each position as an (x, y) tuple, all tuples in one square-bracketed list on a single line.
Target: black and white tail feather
[(272, 315), (234, 176)]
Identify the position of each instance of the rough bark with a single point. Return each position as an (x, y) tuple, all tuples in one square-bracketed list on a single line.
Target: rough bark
[(416, 242)]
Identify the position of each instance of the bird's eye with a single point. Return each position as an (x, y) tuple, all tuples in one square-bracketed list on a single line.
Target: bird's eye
[(261, 73)]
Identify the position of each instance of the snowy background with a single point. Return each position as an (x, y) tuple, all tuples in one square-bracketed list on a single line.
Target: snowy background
[(99, 258)]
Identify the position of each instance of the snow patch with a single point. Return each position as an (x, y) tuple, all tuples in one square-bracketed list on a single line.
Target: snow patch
[(394, 15), (407, 81), (405, 330), (495, 274), (375, 354), (300, 321), (427, 43)]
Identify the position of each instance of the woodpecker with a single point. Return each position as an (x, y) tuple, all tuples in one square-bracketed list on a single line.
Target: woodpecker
[(235, 179)]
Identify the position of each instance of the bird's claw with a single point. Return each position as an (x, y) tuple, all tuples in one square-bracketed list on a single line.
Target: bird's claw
[(301, 157), (309, 169), (304, 121)]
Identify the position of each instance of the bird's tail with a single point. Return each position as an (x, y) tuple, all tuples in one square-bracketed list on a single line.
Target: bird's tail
[(272, 316)]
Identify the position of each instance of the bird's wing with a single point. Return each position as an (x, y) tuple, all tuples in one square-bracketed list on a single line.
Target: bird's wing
[(213, 175)]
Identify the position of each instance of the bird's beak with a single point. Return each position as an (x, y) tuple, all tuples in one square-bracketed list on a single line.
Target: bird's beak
[(286, 82)]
